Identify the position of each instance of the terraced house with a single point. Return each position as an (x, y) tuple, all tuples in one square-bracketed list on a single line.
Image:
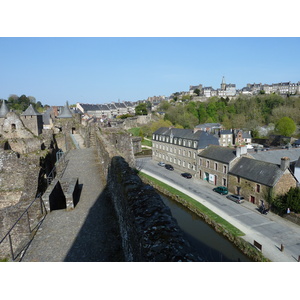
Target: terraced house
[(180, 147), (244, 175), (215, 162)]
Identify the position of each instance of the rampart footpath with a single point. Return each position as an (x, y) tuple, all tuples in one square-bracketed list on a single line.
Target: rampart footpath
[(117, 218)]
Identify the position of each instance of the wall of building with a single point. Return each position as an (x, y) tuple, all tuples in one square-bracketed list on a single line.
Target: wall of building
[(285, 183), (181, 158)]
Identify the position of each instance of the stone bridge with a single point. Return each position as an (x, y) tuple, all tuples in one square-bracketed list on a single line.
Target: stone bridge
[(100, 210)]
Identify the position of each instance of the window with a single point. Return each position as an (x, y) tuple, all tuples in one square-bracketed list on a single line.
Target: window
[(183, 153), (200, 161), (225, 169), (258, 188), (238, 179), (224, 182), (207, 164), (216, 166), (190, 154)]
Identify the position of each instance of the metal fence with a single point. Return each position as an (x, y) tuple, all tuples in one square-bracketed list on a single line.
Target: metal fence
[(18, 238), (60, 160)]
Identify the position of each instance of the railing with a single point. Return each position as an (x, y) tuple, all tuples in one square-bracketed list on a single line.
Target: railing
[(74, 141), (60, 159), (24, 226)]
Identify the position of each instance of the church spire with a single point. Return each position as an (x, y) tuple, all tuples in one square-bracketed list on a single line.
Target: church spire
[(223, 84)]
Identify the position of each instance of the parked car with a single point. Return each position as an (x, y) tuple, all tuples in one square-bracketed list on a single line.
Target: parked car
[(186, 175), (162, 164), (169, 167), (221, 190), (236, 198)]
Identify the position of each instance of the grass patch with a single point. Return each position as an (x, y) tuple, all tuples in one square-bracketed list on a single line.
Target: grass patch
[(147, 143), (196, 205), (134, 131)]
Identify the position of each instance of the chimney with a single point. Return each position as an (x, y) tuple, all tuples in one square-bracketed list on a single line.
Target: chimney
[(240, 150), (285, 163)]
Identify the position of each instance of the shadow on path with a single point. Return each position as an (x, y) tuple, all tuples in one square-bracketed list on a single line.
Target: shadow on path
[(99, 238)]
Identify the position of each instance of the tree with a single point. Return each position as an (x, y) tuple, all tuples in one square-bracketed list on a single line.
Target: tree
[(141, 109), (197, 92), (285, 126)]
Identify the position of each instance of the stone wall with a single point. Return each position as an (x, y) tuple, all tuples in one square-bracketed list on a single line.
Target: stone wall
[(149, 232)]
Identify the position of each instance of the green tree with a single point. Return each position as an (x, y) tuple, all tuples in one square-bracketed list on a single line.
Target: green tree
[(141, 109), (285, 126), (197, 92)]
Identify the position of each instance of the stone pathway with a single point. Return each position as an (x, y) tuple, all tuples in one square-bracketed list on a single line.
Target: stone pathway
[(87, 233)]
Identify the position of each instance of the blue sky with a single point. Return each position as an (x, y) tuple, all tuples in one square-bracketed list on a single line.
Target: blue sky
[(106, 69)]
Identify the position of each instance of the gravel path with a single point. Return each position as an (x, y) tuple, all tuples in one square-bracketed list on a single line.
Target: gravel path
[(89, 232)]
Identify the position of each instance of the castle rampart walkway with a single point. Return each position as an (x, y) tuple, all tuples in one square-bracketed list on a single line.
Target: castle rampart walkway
[(89, 232)]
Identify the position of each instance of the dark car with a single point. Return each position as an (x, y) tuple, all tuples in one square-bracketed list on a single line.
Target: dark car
[(236, 198), (169, 167), (186, 175), (221, 190)]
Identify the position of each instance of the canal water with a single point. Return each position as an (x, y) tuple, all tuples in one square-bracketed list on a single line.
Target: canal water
[(209, 244)]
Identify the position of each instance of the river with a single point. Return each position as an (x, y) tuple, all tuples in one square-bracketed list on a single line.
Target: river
[(210, 245)]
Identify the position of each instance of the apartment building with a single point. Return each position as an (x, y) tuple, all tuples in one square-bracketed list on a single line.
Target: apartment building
[(180, 147)]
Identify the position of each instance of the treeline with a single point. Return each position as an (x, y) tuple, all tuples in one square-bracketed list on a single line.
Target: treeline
[(243, 112), (21, 103)]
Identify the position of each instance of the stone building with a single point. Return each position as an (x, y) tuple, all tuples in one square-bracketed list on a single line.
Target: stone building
[(214, 163), (256, 180), (226, 138), (32, 120), (180, 147)]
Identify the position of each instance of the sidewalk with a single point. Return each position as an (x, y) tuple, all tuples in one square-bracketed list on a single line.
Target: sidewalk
[(270, 248), (89, 232)]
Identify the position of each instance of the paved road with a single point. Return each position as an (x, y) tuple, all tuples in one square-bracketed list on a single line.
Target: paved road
[(87, 233), (269, 230)]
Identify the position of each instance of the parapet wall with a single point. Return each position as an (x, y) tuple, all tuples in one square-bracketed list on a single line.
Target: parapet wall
[(148, 230)]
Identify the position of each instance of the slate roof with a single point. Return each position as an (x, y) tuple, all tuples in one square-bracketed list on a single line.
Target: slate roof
[(120, 105), (226, 131), (204, 139), (257, 171), (93, 107), (297, 165), (65, 112), (3, 110), (47, 116), (274, 156), (218, 153), (30, 111)]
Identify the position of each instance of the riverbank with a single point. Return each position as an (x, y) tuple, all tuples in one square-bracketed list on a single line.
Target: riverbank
[(220, 225)]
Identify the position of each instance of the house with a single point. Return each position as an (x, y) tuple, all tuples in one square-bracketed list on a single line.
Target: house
[(180, 147), (297, 170), (242, 137), (257, 180), (209, 127), (95, 110), (226, 138), (214, 162)]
